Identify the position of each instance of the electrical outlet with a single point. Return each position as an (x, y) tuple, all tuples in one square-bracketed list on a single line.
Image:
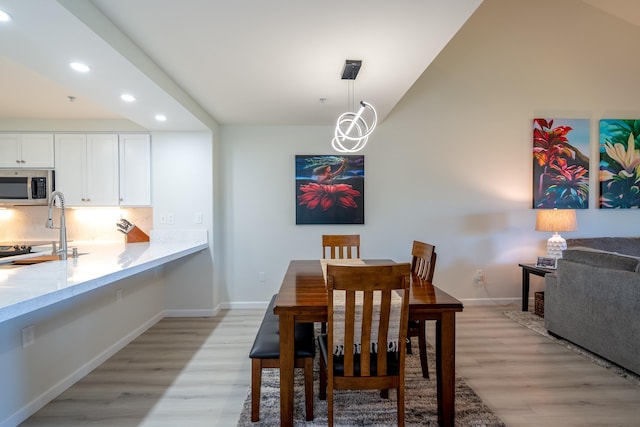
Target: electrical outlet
[(118, 296), (170, 219), (197, 218), (262, 277), (478, 278), (28, 336), (163, 218)]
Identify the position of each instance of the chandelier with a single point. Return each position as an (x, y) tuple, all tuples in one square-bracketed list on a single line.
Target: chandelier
[(353, 128)]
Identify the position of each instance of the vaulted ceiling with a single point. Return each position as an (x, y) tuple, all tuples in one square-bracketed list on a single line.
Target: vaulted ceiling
[(232, 62)]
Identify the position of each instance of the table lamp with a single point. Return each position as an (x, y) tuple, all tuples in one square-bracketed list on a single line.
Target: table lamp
[(556, 220)]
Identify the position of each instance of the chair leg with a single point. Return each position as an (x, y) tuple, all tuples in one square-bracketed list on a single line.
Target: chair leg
[(400, 391), (308, 387), (330, 405), (323, 380), (256, 379), (422, 344)]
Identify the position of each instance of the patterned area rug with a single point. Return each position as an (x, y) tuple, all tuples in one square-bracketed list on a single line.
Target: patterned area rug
[(366, 408), (536, 324)]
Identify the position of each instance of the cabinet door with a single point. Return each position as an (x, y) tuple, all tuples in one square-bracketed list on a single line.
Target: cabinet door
[(135, 170), (102, 169), (10, 151), (70, 156), (37, 151)]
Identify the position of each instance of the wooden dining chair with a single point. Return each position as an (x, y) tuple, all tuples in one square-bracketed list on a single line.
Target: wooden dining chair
[(367, 326), (423, 264), (340, 246)]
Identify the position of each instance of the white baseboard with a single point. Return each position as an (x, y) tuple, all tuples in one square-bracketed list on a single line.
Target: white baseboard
[(46, 397), (192, 313), (490, 301), (245, 305)]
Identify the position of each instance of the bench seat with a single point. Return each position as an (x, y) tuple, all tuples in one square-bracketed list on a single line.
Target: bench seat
[(265, 353)]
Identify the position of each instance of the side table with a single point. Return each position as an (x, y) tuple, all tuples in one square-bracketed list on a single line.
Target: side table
[(528, 269)]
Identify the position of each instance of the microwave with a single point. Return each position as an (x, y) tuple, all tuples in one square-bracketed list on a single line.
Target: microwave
[(25, 187)]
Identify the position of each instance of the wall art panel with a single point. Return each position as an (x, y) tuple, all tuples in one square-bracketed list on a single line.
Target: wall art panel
[(561, 163)]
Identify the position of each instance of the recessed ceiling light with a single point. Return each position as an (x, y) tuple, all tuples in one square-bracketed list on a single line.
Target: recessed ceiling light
[(127, 97), (4, 16), (80, 67), (161, 117)]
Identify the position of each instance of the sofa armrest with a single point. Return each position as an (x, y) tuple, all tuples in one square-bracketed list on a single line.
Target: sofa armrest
[(596, 308)]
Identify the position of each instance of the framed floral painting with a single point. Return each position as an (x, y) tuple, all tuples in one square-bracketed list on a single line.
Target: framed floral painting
[(329, 189), (560, 163), (619, 164)]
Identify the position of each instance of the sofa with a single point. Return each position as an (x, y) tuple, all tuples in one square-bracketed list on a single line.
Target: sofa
[(593, 298)]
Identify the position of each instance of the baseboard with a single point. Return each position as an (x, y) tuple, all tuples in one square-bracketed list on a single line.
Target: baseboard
[(254, 305), (46, 397), (192, 313), (245, 305), (490, 301)]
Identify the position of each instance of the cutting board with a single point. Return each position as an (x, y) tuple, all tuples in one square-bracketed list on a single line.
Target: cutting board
[(37, 259)]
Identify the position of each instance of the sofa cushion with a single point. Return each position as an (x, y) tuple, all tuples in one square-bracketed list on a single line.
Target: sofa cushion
[(598, 258), (621, 245)]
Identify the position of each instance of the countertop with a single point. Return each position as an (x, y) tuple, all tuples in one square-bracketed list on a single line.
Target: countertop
[(24, 289)]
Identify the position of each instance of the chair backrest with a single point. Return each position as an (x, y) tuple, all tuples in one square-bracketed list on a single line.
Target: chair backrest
[(423, 260), (341, 246), (383, 304)]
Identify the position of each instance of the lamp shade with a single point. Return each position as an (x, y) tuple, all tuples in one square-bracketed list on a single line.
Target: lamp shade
[(556, 220)]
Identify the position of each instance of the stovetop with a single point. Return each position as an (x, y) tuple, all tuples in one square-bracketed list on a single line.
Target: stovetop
[(12, 250)]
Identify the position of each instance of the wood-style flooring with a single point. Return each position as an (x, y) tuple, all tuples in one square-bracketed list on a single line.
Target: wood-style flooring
[(195, 372)]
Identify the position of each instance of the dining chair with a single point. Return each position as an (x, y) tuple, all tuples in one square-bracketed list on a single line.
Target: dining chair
[(340, 246), (423, 264), (368, 309)]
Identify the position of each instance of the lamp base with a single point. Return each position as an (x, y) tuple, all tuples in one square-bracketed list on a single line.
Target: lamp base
[(555, 245)]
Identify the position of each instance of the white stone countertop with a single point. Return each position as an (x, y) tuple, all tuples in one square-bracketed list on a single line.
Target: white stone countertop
[(24, 289)]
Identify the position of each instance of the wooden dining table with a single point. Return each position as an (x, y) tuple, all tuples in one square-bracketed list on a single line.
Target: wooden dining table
[(303, 298)]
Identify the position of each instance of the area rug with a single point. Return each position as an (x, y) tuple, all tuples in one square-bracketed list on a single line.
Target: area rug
[(536, 324), (367, 408)]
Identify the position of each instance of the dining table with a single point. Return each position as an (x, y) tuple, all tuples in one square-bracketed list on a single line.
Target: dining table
[(303, 298)]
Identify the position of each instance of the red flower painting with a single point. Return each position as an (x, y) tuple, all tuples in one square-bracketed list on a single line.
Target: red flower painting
[(329, 189), (326, 196)]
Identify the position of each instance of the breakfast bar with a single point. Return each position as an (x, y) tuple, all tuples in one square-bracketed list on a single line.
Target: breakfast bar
[(60, 319), (23, 290)]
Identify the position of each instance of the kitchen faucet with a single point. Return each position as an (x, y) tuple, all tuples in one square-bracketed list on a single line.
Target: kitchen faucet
[(62, 251)]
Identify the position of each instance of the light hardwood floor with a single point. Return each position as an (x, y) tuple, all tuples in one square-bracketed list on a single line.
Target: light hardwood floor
[(195, 372)]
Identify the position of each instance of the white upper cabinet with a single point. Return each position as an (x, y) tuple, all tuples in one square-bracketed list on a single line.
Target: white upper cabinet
[(27, 151), (135, 170), (87, 169)]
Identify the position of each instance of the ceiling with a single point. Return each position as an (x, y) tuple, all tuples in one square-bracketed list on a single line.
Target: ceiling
[(202, 62)]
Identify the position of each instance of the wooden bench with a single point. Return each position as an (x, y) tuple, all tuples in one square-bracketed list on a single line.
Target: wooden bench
[(265, 353)]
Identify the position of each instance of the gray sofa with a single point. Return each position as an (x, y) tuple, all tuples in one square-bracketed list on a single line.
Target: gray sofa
[(593, 299)]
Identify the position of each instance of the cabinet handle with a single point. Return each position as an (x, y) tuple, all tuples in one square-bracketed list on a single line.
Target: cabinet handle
[(17, 161), (22, 161)]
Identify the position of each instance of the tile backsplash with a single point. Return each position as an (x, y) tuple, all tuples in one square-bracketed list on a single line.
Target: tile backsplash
[(27, 223)]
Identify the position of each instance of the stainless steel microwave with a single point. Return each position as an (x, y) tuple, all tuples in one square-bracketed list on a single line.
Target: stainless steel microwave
[(25, 187)]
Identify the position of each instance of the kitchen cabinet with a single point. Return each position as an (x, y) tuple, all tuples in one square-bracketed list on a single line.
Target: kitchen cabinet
[(87, 169), (27, 151), (135, 169)]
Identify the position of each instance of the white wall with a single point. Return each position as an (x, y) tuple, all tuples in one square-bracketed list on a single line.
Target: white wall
[(452, 163), (182, 186)]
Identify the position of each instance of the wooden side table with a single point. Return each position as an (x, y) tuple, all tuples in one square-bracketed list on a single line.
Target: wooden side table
[(528, 269)]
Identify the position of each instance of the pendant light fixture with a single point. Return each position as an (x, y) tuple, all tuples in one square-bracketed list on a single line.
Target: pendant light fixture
[(353, 128)]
